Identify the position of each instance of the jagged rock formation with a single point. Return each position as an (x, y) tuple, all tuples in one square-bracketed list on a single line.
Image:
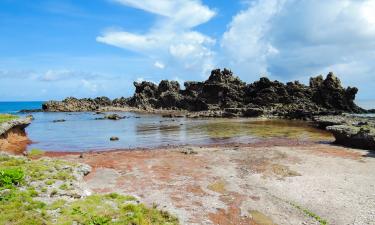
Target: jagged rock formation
[(226, 95)]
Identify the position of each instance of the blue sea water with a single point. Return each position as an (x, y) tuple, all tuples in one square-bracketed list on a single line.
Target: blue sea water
[(15, 107)]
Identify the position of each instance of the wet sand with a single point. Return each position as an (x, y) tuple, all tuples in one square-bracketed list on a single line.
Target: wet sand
[(278, 181)]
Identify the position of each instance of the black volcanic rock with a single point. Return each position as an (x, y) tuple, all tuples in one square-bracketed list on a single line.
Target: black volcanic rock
[(145, 95), (223, 89), (103, 101), (225, 94), (330, 94), (120, 102)]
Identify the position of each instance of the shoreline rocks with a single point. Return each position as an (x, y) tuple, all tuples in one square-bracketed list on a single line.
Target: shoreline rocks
[(224, 95), (350, 131)]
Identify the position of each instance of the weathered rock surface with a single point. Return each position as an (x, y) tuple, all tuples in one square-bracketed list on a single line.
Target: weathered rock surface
[(354, 136), (13, 137), (72, 104), (21, 123), (224, 94), (114, 117), (114, 138), (351, 131)]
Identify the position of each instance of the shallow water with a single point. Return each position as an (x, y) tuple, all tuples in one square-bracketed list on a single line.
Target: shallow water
[(81, 132)]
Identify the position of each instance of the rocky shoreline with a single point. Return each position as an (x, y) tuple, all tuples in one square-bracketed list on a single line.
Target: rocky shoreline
[(324, 102)]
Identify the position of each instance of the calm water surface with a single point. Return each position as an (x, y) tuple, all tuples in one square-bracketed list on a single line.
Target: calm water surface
[(81, 132)]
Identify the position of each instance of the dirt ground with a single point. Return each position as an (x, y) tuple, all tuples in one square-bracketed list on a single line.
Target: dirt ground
[(264, 184)]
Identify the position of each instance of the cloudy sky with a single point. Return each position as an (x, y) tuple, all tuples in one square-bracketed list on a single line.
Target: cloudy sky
[(51, 49)]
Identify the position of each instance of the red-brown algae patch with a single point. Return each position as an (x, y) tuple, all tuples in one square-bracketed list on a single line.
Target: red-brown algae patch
[(340, 152), (216, 185), (232, 214)]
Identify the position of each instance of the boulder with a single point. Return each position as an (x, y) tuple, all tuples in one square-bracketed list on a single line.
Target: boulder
[(114, 138), (113, 117), (252, 112), (353, 136)]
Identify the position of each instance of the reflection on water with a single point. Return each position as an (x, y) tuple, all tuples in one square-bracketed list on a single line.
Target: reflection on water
[(81, 132)]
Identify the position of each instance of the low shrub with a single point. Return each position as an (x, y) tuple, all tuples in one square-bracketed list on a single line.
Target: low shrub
[(9, 177)]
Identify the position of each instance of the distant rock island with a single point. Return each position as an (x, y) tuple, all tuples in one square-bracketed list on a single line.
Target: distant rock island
[(225, 95)]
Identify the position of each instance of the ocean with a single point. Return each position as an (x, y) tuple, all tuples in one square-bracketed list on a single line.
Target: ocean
[(15, 107)]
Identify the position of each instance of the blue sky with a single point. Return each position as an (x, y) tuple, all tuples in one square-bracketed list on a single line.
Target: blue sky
[(52, 49)]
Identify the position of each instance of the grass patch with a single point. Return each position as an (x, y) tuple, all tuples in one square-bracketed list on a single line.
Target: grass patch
[(22, 180), (113, 209), (19, 208), (7, 117), (35, 153)]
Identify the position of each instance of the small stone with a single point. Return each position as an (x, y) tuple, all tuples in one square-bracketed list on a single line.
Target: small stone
[(58, 121), (114, 138), (189, 151)]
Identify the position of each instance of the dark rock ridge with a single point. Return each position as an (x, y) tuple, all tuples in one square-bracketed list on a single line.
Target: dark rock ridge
[(224, 94)]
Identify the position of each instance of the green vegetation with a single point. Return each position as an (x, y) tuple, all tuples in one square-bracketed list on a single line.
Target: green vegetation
[(10, 177), (22, 180), (35, 153), (310, 214), (113, 209), (305, 211), (7, 117)]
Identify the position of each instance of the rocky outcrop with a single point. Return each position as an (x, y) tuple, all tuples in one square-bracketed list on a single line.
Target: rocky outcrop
[(362, 137), (72, 104), (224, 94), (13, 137), (351, 131)]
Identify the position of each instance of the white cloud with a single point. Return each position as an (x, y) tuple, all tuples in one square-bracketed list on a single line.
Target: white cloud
[(172, 39), (89, 85), (298, 38), (159, 65), (65, 74), (185, 13)]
